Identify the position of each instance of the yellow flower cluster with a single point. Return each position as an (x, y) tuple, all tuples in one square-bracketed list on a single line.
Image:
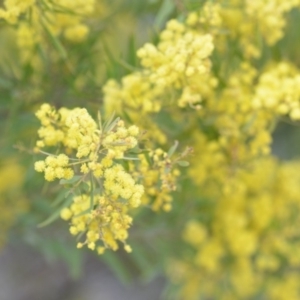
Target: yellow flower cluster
[(38, 22), (244, 21), (209, 17), (97, 154), (160, 180), (278, 90), (180, 54), (269, 16), (76, 130), (244, 113), (58, 15), (55, 167), (69, 18), (243, 130), (171, 73), (15, 8), (101, 215), (107, 221), (135, 90), (138, 96), (252, 240)]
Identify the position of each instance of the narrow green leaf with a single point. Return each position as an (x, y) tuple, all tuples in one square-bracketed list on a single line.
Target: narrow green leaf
[(56, 214), (141, 258), (60, 198), (92, 193), (75, 264), (100, 120), (148, 158), (73, 258), (130, 158), (112, 125), (183, 163), (56, 43), (51, 219), (173, 149), (108, 122), (119, 143), (110, 60), (137, 150), (132, 58), (126, 117), (118, 267), (164, 13), (71, 181), (85, 187)]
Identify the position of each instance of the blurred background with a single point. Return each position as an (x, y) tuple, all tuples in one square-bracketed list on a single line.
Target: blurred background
[(26, 275)]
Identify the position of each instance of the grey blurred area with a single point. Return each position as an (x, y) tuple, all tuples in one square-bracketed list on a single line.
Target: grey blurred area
[(25, 275), (286, 140)]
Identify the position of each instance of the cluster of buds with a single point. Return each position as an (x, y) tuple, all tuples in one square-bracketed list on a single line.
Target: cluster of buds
[(107, 175)]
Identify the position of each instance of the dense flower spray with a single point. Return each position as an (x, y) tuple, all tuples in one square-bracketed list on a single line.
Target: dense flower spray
[(106, 175)]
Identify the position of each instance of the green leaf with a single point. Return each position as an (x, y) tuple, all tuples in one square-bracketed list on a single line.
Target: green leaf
[(126, 117), (110, 61), (57, 44), (118, 267), (130, 158), (183, 163), (60, 198), (148, 158), (119, 143), (56, 214), (71, 181), (164, 13), (107, 122), (112, 125), (84, 186), (92, 192), (137, 150), (75, 265), (57, 249), (99, 119), (73, 258), (146, 265), (173, 149)]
